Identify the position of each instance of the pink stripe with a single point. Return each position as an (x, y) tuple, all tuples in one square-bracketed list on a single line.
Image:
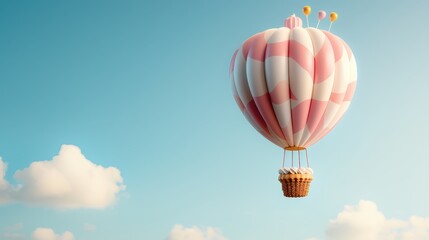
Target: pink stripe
[(265, 134), (256, 116), (336, 44), (248, 43), (350, 91), (337, 97), (231, 65), (294, 50), (271, 138), (317, 110), (280, 93), (319, 128), (324, 63), (320, 134), (278, 49), (326, 130), (257, 48), (287, 132), (265, 108), (299, 115), (302, 56)]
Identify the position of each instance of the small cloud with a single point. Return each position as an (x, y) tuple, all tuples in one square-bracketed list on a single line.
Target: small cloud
[(365, 221), (194, 233), (89, 227), (69, 180), (49, 234), (3, 167)]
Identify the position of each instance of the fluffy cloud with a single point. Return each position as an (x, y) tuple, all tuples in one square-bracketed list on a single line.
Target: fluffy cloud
[(4, 185), (69, 180), (194, 233), (365, 221), (3, 167), (49, 234)]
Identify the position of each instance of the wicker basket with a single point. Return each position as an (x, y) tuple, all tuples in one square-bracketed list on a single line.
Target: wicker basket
[(295, 185)]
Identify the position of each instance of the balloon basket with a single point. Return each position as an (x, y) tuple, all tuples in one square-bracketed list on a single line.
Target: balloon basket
[(295, 185)]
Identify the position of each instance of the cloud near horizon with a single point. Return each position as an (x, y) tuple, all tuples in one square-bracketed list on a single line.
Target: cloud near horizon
[(4, 185), (365, 221), (68, 181), (179, 232), (49, 234)]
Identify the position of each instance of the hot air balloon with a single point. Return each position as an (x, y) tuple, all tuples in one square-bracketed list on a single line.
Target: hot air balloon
[(293, 85)]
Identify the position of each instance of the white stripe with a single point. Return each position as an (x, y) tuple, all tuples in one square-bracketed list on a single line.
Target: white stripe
[(281, 35), (276, 70), (256, 77), (342, 73), (283, 114), (301, 83), (318, 39), (241, 79)]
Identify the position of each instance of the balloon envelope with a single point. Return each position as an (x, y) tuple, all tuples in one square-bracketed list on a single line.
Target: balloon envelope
[(293, 85)]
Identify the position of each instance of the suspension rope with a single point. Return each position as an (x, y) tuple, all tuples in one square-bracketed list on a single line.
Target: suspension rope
[(299, 158), (292, 158)]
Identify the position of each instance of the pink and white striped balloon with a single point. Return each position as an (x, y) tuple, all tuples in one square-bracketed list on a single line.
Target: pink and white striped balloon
[(293, 84)]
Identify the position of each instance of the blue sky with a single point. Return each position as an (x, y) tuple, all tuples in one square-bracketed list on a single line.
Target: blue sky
[(143, 86)]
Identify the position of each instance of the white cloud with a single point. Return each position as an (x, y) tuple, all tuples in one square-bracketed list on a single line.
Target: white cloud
[(69, 180), (3, 167), (49, 234), (4, 185), (365, 221), (194, 233)]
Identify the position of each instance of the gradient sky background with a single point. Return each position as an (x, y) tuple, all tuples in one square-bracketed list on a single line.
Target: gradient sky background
[(143, 86)]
